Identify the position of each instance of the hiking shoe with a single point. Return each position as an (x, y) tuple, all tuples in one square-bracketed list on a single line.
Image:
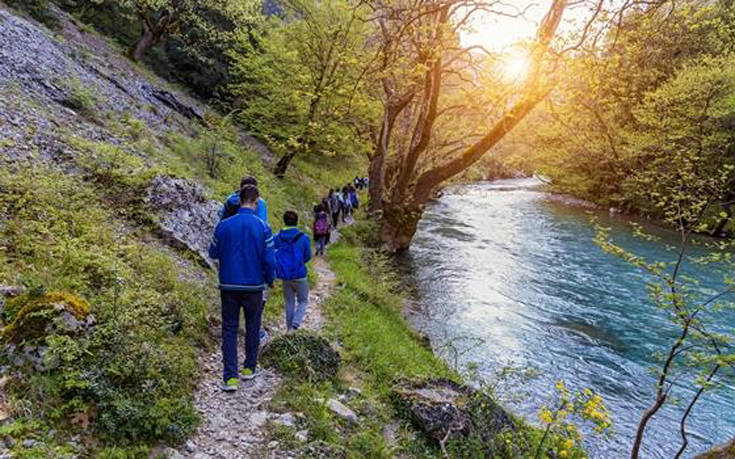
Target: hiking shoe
[(230, 385), (247, 374)]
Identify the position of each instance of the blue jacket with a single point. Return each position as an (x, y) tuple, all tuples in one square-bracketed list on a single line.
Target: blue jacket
[(232, 205), (303, 247), (243, 244)]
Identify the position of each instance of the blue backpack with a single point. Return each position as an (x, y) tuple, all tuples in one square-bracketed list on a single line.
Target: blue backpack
[(289, 259)]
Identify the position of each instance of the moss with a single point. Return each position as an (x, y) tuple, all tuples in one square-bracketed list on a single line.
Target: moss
[(303, 356), (31, 315)]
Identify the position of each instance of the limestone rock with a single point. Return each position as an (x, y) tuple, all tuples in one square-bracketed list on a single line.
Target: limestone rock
[(186, 217), (445, 409), (342, 410)]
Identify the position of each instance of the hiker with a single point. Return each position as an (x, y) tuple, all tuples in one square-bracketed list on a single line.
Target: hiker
[(244, 246), (346, 203), (293, 251), (335, 204), (321, 229), (357, 182), (353, 198), (232, 204)]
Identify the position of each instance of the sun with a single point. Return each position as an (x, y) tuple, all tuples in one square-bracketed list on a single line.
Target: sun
[(515, 66)]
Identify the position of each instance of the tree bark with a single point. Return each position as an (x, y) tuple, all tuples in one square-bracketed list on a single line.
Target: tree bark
[(283, 163), (150, 35), (376, 173), (398, 226)]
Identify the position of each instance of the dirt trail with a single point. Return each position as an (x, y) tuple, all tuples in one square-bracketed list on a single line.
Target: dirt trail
[(233, 423)]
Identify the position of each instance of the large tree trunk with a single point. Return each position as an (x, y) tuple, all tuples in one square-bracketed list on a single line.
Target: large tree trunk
[(283, 163), (376, 173), (398, 226), (144, 43), (150, 35)]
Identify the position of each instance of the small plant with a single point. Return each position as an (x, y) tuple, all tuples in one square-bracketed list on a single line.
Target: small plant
[(558, 426), (80, 98)]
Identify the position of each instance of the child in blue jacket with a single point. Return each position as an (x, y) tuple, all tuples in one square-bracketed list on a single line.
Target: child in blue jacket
[(293, 251)]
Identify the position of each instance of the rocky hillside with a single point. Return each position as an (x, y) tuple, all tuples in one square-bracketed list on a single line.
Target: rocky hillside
[(110, 180)]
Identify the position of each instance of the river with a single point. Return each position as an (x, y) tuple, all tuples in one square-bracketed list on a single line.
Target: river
[(513, 278)]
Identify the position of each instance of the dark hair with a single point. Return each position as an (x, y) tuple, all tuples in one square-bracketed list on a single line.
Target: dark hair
[(249, 194), (248, 180), (290, 218), (318, 208)]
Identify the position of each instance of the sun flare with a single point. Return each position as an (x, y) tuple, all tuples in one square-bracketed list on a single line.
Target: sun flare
[(515, 66)]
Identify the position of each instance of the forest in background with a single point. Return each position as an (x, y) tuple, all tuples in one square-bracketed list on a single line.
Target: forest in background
[(637, 111)]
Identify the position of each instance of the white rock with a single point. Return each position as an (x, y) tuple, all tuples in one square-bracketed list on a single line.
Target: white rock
[(302, 435), (342, 411), (170, 453), (273, 445), (258, 419), (287, 420), (190, 446)]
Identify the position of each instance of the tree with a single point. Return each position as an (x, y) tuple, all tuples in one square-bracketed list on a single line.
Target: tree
[(302, 85), (417, 165)]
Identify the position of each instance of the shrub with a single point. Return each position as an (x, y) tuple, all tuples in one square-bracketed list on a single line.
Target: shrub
[(302, 355)]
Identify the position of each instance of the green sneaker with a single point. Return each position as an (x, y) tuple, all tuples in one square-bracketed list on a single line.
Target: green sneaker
[(248, 374), (231, 385)]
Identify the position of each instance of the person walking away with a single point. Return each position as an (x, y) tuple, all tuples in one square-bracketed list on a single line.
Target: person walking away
[(346, 204), (327, 208), (321, 230), (293, 251), (336, 205), (244, 246), (353, 198), (232, 204)]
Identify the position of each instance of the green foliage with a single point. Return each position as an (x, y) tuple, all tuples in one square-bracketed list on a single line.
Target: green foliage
[(39, 10), (131, 375), (643, 121), (300, 81), (80, 98), (302, 356)]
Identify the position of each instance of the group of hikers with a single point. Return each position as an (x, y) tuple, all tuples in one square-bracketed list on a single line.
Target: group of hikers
[(251, 258)]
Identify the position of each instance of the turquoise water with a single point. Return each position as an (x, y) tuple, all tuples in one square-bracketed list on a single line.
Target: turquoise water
[(509, 277)]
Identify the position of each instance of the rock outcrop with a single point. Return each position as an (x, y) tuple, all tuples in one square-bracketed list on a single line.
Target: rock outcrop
[(724, 451), (446, 411), (185, 216)]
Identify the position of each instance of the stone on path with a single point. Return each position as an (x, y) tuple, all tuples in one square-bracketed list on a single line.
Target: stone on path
[(342, 410)]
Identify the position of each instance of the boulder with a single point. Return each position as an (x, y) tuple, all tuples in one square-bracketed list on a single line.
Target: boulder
[(302, 355), (342, 410), (33, 317), (445, 411), (185, 216)]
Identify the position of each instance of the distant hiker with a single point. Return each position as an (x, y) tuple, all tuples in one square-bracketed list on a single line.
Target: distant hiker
[(243, 244), (353, 198), (293, 251), (346, 203), (232, 204), (335, 205), (357, 182), (321, 229)]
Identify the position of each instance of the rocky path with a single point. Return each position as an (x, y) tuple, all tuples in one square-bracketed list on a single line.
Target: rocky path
[(233, 424)]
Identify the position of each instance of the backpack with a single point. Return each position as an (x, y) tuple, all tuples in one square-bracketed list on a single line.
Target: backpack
[(334, 203), (289, 259), (355, 202), (321, 225)]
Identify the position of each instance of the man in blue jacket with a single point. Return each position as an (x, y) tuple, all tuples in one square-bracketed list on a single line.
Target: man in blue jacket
[(232, 207), (293, 251), (243, 244), (232, 204)]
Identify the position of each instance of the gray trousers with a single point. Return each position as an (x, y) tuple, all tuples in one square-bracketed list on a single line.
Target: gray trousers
[(295, 301)]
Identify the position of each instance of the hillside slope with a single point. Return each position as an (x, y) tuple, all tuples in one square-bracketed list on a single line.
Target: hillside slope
[(110, 180)]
